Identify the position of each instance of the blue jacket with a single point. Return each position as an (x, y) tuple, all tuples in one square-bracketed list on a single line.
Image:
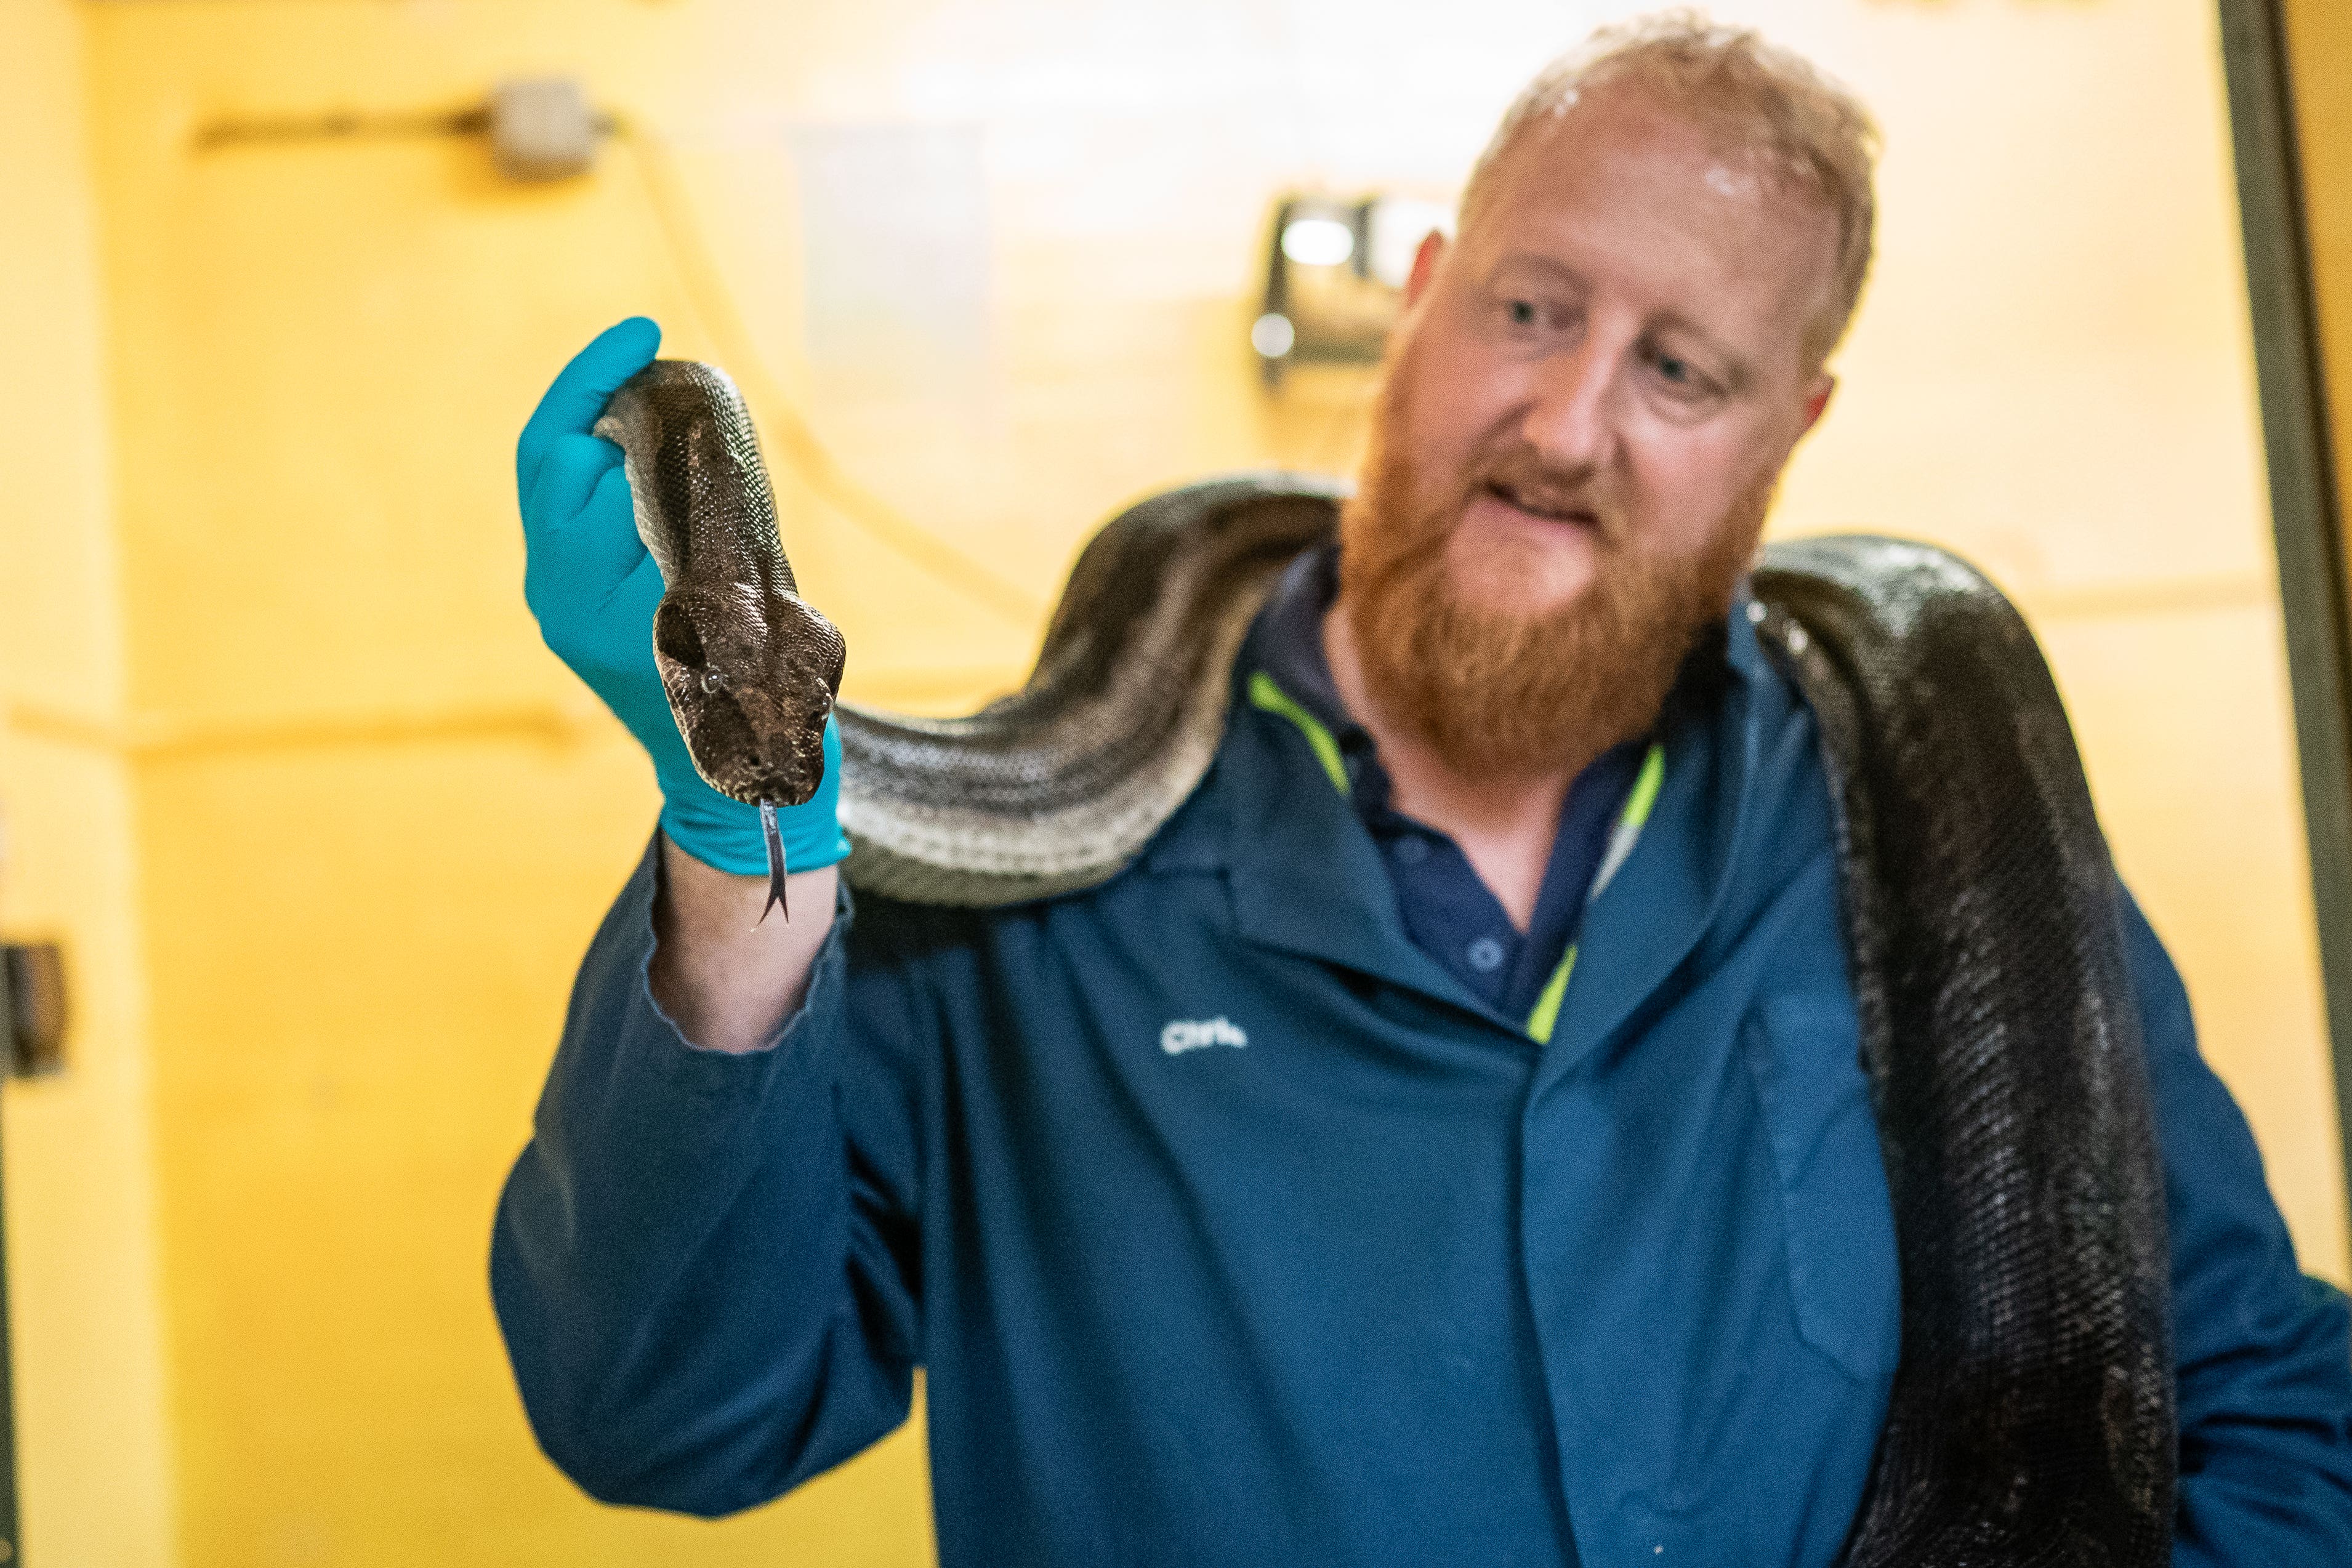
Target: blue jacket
[(1230, 1228)]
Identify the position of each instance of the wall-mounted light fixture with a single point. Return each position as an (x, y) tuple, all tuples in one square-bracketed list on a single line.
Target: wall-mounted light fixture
[(1335, 276)]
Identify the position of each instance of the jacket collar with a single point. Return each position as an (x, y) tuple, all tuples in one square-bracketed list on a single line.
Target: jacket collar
[(1307, 878)]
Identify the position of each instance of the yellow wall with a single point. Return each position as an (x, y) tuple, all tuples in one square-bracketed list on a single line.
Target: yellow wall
[(86, 1311), (372, 820)]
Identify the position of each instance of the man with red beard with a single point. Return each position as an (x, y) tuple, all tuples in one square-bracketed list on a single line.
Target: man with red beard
[(1281, 1200)]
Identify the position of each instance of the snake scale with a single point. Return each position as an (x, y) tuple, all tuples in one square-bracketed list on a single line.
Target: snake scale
[(2031, 1417)]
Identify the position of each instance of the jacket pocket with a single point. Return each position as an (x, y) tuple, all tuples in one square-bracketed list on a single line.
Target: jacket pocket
[(1804, 1050)]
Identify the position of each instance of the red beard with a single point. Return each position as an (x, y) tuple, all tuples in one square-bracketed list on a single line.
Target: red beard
[(1511, 695)]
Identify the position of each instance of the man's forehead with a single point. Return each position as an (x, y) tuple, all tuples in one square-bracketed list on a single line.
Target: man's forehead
[(1626, 151), (1630, 132)]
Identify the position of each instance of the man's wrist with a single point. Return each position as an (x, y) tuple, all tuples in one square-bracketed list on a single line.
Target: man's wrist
[(727, 977)]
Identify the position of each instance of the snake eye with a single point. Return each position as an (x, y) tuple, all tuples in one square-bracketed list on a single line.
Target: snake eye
[(711, 681), (675, 639)]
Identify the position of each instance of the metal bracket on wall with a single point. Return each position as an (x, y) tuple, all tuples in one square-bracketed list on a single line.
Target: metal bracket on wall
[(538, 128), (2306, 515), (33, 1009)]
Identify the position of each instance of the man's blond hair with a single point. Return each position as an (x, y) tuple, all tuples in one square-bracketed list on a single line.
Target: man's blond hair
[(1759, 98)]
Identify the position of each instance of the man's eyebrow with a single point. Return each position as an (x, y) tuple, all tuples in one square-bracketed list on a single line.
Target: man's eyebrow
[(1535, 261)]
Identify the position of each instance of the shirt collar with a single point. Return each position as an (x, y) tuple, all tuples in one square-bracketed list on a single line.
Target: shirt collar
[(1729, 667), (1306, 880), (1286, 642)]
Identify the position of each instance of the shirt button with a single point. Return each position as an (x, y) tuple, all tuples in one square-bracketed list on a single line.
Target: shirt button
[(1485, 955), (1412, 850)]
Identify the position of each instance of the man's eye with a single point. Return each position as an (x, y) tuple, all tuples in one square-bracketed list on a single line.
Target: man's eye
[(1682, 377), (1521, 312)]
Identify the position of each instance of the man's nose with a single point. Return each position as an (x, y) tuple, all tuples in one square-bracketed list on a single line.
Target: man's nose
[(1569, 418)]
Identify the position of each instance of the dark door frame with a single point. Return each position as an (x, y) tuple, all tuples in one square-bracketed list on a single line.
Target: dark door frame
[(2306, 511)]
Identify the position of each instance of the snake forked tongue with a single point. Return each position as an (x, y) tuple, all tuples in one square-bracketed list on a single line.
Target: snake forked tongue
[(769, 830)]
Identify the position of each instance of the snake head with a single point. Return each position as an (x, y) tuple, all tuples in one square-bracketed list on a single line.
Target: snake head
[(750, 674)]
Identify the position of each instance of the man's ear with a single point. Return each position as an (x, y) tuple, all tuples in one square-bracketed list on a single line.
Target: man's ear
[(1817, 398), (1425, 267)]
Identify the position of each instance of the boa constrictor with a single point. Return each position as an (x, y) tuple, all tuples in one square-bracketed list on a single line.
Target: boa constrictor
[(2031, 1419)]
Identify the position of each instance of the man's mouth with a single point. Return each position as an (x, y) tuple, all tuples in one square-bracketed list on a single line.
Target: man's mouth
[(1536, 505)]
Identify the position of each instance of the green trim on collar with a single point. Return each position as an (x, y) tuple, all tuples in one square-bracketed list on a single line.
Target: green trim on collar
[(1265, 694), (1547, 1008), (1631, 819)]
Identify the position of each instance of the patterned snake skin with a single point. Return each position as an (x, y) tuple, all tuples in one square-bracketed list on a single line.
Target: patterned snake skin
[(2031, 1419)]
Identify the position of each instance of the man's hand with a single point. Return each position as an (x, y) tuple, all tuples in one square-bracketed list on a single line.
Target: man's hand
[(594, 587)]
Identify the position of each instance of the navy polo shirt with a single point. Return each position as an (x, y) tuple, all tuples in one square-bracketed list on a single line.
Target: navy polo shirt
[(1448, 911)]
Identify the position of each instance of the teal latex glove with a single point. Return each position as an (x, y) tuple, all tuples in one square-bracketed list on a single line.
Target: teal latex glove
[(593, 585)]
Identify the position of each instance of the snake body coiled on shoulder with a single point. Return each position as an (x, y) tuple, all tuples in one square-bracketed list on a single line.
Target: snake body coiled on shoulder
[(2032, 1419)]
